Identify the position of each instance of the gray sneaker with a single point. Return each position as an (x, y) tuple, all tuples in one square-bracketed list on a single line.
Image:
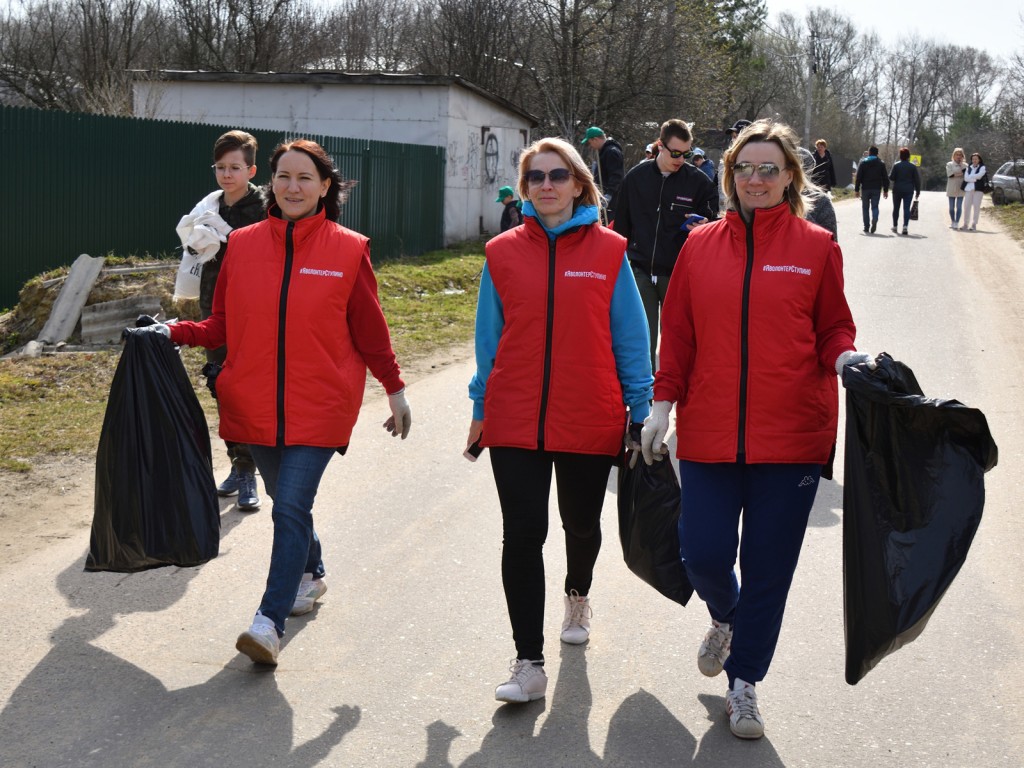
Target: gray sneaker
[(260, 642), (715, 649), (528, 683), (741, 706), (576, 624), (309, 592)]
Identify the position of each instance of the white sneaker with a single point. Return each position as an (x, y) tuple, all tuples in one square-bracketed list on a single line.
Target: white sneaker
[(741, 706), (576, 624), (528, 683), (260, 642), (715, 649), (310, 590)]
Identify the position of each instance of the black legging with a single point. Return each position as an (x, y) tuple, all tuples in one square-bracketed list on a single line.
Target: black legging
[(904, 196), (523, 479)]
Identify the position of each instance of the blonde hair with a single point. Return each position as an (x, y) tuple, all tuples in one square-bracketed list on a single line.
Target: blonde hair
[(571, 157), (784, 138), (960, 150), (821, 142)]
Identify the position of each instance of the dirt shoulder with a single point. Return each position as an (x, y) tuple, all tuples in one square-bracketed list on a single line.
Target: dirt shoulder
[(54, 501)]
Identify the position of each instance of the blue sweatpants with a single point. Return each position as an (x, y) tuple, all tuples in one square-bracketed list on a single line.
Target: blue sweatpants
[(775, 501)]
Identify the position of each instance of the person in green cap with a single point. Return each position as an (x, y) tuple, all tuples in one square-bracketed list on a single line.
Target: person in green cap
[(510, 217), (610, 166)]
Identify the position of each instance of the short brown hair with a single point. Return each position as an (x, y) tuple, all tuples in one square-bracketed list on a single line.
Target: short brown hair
[(821, 142), (904, 153), (674, 129), (233, 140)]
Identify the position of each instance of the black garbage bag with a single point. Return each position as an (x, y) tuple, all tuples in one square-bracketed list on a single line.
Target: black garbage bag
[(156, 499), (649, 527), (912, 501)]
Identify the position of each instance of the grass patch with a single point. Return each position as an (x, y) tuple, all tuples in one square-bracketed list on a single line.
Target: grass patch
[(1011, 217), (430, 300), (53, 406)]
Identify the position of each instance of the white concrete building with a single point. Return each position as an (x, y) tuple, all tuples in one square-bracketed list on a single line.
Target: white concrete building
[(481, 133)]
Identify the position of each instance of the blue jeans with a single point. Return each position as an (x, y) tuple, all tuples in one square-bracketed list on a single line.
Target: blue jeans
[(775, 501), (292, 476), (956, 208), (869, 197)]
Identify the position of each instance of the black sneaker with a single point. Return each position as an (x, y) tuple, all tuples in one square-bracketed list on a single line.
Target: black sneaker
[(230, 485), (874, 226), (248, 497)]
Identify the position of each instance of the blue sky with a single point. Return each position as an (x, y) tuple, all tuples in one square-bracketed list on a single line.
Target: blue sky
[(993, 25)]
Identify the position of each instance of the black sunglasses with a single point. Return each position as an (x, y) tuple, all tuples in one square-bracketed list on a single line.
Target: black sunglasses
[(557, 176), (675, 154)]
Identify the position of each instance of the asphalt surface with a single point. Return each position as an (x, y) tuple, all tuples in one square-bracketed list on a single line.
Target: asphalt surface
[(397, 665)]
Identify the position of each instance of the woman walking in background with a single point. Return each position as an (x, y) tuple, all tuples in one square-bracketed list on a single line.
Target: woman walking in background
[(906, 186), (562, 351), (972, 194), (954, 186)]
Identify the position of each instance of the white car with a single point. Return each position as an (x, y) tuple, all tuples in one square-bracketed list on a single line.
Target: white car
[(1008, 183)]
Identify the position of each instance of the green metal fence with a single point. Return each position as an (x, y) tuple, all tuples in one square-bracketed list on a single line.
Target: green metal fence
[(94, 184)]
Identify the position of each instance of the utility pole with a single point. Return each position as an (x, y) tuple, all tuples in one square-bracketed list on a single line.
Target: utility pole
[(809, 98)]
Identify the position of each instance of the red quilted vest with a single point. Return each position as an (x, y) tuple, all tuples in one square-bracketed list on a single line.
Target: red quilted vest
[(554, 379)]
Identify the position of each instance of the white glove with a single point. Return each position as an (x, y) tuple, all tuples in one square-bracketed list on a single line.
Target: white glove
[(851, 357), (652, 437), (401, 416)]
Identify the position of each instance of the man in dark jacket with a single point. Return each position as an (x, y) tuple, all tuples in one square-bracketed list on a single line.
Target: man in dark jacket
[(510, 216), (824, 173), (872, 176), (651, 210), (610, 164)]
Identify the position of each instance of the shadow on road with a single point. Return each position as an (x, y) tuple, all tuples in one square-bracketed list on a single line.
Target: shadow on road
[(642, 732), (82, 706)]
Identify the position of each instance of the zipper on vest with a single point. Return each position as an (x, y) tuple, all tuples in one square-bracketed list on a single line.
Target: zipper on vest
[(745, 340), (657, 225), (548, 333), (282, 313)]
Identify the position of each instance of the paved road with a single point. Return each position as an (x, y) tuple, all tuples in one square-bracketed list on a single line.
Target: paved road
[(398, 664)]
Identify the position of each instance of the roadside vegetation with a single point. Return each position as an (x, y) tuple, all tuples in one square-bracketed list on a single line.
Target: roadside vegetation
[(53, 406), (1011, 217)]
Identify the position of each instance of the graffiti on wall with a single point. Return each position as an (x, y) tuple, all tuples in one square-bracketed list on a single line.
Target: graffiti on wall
[(492, 162)]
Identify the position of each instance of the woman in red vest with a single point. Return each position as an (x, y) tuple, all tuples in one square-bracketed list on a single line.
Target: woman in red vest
[(296, 302), (562, 351), (756, 326)]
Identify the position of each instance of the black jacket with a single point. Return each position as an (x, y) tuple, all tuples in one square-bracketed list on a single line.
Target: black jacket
[(871, 174), (611, 166), (650, 210), (824, 172), (510, 216), (249, 210), (905, 175)]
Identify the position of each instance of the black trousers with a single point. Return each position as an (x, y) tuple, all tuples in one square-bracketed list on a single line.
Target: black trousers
[(523, 479)]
